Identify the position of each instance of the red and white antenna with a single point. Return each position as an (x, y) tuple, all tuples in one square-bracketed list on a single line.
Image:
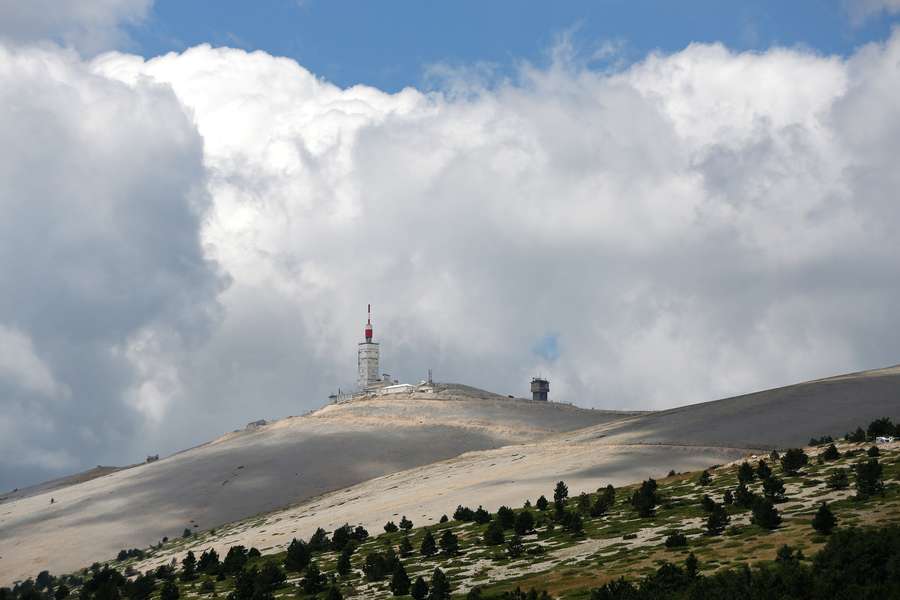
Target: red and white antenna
[(369, 325)]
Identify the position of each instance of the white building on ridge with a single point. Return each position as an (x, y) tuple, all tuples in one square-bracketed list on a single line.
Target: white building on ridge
[(367, 359), (368, 381)]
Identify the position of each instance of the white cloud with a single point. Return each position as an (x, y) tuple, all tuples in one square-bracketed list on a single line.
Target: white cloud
[(861, 10), (20, 365), (699, 224), (101, 190), (689, 226), (87, 25)]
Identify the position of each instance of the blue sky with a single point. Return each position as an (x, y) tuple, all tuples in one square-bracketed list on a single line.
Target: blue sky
[(392, 44)]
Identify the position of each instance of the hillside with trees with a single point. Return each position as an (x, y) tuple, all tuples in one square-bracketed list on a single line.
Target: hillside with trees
[(812, 522)]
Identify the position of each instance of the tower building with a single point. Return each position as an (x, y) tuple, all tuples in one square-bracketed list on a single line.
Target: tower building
[(540, 388), (367, 358)]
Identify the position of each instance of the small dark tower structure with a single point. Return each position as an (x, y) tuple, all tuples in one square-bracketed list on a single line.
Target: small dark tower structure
[(540, 388)]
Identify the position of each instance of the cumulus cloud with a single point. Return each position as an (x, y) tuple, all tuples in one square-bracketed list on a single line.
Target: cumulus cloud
[(102, 188), (687, 228), (696, 225), (19, 364), (87, 25)]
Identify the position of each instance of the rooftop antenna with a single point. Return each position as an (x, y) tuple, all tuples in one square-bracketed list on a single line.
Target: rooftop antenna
[(369, 325)]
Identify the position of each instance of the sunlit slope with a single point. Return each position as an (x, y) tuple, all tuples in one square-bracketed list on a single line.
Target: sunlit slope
[(370, 461), (257, 470), (622, 451)]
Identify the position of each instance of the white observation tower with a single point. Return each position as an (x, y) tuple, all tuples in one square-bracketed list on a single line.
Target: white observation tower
[(368, 359)]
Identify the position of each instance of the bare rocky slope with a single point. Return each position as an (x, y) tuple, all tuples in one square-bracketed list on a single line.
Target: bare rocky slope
[(780, 417), (419, 456), (263, 468)]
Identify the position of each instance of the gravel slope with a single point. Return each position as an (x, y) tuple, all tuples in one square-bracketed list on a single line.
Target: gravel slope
[(261, 469)]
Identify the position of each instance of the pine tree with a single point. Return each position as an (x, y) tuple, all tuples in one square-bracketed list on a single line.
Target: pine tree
[(765, 514), (744, 497), (514, 547), (140, 588), (560, 493), (882, 426), (524, 522), (235, 560), (375, 566), (692, 566), (599, 507), (334, 593), (449, 543), (584, 503), (271, 576), (169, 591), (209, 561), (319, 541), (838, 480), (572, 523), (399, 581), (390, 527), (312, 583), (405, 524), (824, 521), (245, 584), (506, 517), (429, 546), (717, 520), (857, 436), (794, 460), (419, 589), (609, 495), (440, 587), (763, 471), (644, 499), (341, 537), (297, 556), (359, 534), (406, 547), (541, 503), (189, 566), (463, 513), (831, 453), (481, 516), (493, 535), (344, 565), (773, 488), (745, 473), (390, 559), (705, 478), (43, 581), (728, 498), (868, 478)]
